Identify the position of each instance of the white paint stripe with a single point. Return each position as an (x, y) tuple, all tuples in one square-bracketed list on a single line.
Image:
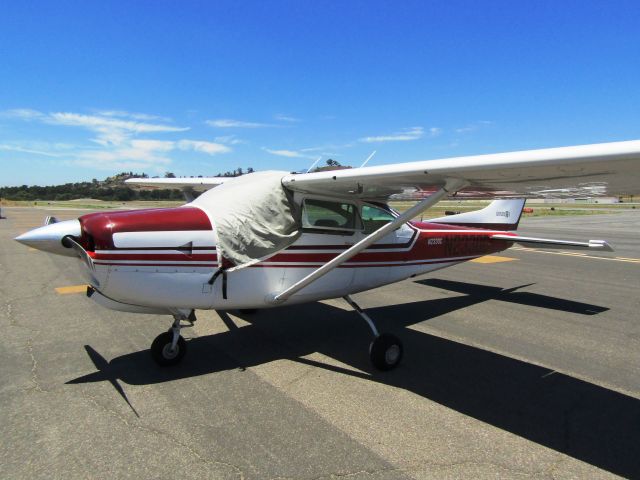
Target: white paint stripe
[(285, 264), (155, 262), (165, 239), (152, 252)]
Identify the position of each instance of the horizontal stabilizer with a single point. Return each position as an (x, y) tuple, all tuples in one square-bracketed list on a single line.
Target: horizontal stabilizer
[(532, 242)]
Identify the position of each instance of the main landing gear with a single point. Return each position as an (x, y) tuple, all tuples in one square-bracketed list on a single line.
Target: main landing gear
[(169, 348), (385, 351)]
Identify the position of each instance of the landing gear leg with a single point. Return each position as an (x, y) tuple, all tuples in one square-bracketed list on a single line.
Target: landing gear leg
[(169, 348), (385, 351)]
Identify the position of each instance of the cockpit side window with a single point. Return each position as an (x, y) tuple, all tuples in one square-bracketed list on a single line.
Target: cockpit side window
[(330, 215), (374, 217)]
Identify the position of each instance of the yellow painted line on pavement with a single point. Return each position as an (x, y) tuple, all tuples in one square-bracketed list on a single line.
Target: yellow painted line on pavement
[(579, 255), (493, 259), (71, 289)]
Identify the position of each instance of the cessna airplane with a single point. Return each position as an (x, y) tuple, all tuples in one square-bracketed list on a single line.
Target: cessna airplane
[(275, 238)]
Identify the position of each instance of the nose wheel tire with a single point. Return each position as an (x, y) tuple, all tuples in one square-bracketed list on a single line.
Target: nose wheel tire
[(163, 353), (386, 351)]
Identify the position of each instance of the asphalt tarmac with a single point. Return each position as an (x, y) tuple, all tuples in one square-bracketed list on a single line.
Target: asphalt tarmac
[(522, 368)]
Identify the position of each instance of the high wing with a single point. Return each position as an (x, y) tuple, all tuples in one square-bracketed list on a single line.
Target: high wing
[(199, 184), (585, 170)]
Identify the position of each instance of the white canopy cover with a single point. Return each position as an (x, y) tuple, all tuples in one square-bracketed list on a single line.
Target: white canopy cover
[(254, 217)]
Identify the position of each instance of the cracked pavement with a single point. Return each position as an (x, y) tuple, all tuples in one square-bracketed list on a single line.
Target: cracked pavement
[(524, 369)]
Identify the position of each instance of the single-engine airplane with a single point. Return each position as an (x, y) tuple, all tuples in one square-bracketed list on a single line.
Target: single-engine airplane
[(275, 238)]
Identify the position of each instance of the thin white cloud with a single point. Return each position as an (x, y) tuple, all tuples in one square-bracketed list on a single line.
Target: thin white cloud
[(287, 153), (228, 140), (111, 131), (141, 155), (133, 115), (230, 123), (405, 135), (327, 147), (286, 118), (147, 154), (97, 123), (16, 148), (210, 148), (472, 127), (115, 132), (22, 114)]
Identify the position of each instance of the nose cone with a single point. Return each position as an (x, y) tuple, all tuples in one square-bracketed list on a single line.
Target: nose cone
[(49, 238)]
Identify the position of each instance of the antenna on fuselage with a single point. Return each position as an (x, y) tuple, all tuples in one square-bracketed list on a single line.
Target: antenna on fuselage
[(314, 164), (368, 158)]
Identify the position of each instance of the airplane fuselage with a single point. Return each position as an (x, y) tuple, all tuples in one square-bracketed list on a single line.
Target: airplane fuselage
[(165, 259)]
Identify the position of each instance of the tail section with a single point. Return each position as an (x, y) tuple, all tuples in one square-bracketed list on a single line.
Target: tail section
[(498, 215)]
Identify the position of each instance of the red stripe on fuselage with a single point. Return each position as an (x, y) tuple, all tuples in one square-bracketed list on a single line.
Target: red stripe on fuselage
[(434, 243)]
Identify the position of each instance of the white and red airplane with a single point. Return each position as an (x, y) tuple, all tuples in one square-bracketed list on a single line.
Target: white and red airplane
[(274, 238)]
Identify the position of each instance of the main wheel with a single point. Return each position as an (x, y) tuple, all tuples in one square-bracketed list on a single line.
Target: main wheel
[(162, 352), (385, 351)]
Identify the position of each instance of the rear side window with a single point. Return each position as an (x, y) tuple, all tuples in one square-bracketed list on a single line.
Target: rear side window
[(373, 218), (329, 215)]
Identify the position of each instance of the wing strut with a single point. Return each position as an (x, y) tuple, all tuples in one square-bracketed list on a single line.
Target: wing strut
[(451, 187)]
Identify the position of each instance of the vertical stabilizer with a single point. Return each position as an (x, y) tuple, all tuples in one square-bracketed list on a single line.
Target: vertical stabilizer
[(501, 214)]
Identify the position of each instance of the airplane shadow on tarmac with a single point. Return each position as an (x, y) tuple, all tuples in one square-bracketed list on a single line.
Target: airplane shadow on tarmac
[(586, 421)]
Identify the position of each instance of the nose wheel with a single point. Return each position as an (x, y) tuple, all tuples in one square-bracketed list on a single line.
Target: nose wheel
[(169, 348), (385, 351), (165, 353)]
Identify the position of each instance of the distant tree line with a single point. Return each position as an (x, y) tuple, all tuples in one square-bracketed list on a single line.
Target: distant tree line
[(109, 189), (234, 173)]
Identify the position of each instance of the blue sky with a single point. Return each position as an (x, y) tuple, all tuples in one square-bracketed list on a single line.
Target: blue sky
[(88, 89)]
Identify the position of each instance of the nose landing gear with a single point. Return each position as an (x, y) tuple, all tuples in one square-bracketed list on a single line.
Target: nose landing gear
[(169, 348)]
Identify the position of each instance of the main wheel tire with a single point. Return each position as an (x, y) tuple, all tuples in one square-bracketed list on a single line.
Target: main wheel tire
[(386, 351), (162, 353)]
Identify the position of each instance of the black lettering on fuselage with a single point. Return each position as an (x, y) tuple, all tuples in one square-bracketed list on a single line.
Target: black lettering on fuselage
[(464, 245)]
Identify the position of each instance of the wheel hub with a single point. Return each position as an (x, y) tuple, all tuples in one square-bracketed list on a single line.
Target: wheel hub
[(170, 353), (392, 354)]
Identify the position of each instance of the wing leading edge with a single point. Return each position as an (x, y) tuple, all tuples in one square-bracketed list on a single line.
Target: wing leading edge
[(199, 184), (584, 170)]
